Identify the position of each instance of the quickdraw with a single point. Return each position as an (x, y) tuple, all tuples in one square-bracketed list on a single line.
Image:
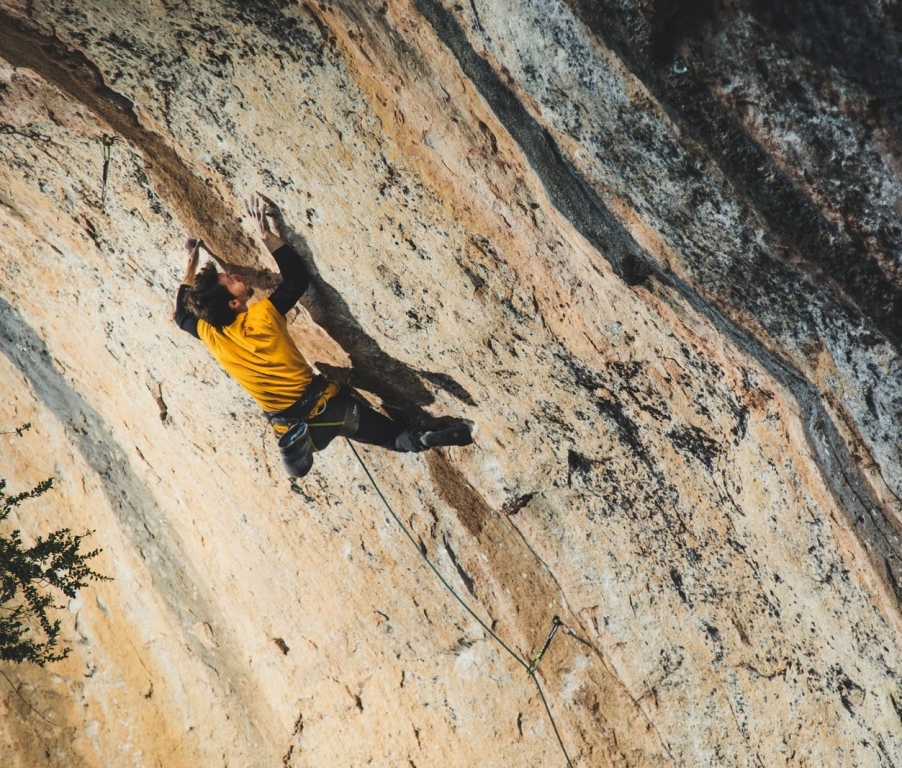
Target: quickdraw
[(107, 158), (531, 669)]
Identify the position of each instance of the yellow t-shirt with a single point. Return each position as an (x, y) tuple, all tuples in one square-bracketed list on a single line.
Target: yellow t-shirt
[(259, 353)]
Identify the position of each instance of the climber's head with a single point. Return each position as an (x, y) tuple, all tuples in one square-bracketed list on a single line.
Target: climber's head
[(218, 297)]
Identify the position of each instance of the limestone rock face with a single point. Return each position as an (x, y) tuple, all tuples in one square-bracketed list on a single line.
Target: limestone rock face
[(651, 248)]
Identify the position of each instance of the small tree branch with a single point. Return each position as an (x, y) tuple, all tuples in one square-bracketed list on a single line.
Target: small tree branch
[(26, 702)]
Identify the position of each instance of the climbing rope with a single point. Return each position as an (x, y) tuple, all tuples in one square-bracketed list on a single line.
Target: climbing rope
[(530, 668)]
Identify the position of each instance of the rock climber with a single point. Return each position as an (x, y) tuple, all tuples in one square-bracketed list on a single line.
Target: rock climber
[(251, 341)]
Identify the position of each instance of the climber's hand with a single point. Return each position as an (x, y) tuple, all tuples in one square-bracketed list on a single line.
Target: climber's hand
[(256, 208), (192, 245)]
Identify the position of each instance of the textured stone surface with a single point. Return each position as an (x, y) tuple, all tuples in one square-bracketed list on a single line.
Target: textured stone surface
[(668, 298)]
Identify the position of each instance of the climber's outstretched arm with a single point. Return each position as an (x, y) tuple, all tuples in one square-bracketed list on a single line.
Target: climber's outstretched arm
[(295, 278), (183, 317)]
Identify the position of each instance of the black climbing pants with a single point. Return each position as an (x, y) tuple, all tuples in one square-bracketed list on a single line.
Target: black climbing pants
[(374, 429)]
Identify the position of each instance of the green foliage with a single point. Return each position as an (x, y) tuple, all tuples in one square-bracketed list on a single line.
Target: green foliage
[(28, 578)]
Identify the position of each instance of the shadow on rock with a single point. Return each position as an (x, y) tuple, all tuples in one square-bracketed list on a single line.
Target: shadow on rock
[(399, 385)]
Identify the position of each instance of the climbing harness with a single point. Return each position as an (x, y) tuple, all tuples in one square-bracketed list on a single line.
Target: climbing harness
[(300, 409), (107, 158), (530, 668)]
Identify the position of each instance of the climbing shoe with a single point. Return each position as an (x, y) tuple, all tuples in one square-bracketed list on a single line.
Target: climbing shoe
[(459, 434)]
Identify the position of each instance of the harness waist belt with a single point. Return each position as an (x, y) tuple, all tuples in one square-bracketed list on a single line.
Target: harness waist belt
[(300, 409)]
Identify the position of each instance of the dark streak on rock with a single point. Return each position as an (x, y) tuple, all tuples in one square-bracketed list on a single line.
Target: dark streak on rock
[(515, 505), (566, 188), (678, 583), (464, 576), (127, 496), (578, 201), (626, 429), (646, 45), (204, 212), (696, 442), (455, 491), (897, 706), (576, 464)]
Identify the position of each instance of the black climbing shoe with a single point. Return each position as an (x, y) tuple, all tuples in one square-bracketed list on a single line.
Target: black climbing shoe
[(459, 434)]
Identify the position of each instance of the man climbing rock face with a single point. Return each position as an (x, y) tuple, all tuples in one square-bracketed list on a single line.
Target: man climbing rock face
[(251, 341)]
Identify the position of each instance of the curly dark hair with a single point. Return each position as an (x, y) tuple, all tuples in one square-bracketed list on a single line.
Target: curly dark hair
[(209, 299)]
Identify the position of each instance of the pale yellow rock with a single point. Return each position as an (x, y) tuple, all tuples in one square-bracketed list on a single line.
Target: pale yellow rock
[(637, 471)]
